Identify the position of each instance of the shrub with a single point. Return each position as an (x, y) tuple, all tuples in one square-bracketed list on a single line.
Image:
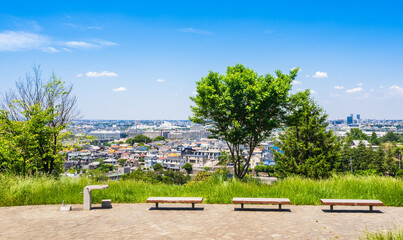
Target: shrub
[(202, 176), (188, 167), (158, 167), (399, 173), (207, 168), (368, 172), (162, 176), (222, 173)]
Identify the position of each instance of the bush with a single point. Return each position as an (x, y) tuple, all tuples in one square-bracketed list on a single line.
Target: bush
[(202, 176), (399, 173), (207, 168), (368, 172), (162, 176), (158, 167), (188, 167), (222, 173)]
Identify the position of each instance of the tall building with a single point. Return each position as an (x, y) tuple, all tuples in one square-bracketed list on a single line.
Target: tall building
[(358, 117), (350, 119)]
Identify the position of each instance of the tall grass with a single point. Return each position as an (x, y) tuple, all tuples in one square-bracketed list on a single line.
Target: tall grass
[(301, 191), (396, 234)]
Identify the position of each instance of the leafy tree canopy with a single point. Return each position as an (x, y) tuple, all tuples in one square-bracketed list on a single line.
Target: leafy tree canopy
[(242, 108)]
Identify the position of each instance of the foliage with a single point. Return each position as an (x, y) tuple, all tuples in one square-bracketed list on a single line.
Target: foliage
[(242, 108), (105, 168), (138, 139), (356, 134), (223, 159), (264, 168), (390, 137), (46, 190), (202, 176), (188, 167), (30, 146), (159, 138), (207, 169), (35, 113), (221, 173), (399, 173), (364, 158), (308, 148), (122, 162), (393, 234), (157, 167), (162, 176)]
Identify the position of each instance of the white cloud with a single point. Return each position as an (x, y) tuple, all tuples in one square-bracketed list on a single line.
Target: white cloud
[(101, 74), (192, 30), (160, 80), (295, 82), (320, 75), (312, 91), (360, 84), (396, 91), (338, 87), (79, 75), (11, 41), (119, 89), (80, 44), (354, 90)]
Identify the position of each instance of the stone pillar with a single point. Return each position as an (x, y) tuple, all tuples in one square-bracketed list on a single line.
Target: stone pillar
[(87, 198)]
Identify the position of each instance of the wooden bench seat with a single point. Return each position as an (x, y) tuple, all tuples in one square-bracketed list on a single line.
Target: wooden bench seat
[(279, 201), (191, 200), (351, 202)]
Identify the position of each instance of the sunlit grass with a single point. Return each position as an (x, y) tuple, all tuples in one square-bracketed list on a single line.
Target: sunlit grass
[(300, 191), (396, 234)]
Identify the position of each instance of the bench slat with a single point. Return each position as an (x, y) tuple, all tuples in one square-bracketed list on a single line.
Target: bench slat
[(175, 200), (283, 201), (352, 202)]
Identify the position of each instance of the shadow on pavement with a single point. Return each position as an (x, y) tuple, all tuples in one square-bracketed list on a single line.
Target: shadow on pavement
[(177, 208), (261, 210), (351, 211)]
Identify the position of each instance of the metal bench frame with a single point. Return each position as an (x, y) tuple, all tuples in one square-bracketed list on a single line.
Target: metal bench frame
[(275, 201), (192, 200)]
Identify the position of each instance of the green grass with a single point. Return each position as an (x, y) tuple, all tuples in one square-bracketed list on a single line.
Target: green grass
[(301, 191), (396, 234)]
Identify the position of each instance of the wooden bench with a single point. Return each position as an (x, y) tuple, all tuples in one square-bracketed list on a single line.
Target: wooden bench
[(351, 202), (279, 201), (191, 200)]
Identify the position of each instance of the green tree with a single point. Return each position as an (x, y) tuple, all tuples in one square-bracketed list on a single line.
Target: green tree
[(158, 167), (159, 138), (138, 139), (223, 159), (122, 162), (242, 108), (188, 167), (390, 137), (308, 149), (374, 139), (45, 109), (356, 134)]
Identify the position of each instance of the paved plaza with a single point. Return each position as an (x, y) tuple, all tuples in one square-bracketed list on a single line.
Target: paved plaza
[(208, 221)]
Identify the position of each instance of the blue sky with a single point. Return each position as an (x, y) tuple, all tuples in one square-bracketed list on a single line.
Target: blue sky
[(141, 60)]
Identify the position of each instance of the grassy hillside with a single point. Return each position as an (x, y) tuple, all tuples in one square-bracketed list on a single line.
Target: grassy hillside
[(301, 191)]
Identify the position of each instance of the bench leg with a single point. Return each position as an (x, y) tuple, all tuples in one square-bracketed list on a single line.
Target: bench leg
[(193, 206), (371, 209), (331, 207), (242, 205), (156, 205), (279, 206)]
